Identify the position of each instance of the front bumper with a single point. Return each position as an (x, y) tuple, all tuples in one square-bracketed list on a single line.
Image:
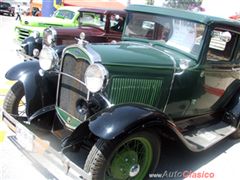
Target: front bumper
[(44, 151), (24, 57), (5, 11)]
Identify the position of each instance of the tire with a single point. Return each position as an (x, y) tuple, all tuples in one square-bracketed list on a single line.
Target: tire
[(12, 101), (121, 159)]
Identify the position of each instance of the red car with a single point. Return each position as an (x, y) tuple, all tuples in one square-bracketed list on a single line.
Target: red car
[(98, 25)]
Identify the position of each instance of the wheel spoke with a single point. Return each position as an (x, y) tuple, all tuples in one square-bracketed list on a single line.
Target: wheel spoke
[(22, 107)]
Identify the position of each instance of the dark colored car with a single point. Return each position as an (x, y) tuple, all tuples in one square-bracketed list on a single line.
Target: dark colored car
[(98, 25), (6, 8), (174, 75)]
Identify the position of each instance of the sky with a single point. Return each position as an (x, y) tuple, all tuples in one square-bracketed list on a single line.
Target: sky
[(223, 8)]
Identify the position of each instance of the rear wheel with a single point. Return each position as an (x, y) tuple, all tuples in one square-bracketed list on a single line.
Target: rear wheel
[(14, 102), (129, 158)]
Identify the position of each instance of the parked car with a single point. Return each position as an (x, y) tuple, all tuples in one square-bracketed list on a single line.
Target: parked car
[(98, 25), (6, 8), (175, 74), (66, 16)]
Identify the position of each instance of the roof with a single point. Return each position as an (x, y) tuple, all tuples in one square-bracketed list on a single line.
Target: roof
[(102, 10), (72, 8), (189, 15)]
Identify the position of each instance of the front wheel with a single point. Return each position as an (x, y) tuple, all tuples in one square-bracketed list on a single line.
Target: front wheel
[(14, 102), (129, 158)]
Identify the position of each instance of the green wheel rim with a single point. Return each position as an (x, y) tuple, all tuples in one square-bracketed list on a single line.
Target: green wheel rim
[(131, 160)]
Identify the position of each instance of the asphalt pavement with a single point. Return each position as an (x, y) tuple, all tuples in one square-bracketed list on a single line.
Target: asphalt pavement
[(14, 165), (221, 162)]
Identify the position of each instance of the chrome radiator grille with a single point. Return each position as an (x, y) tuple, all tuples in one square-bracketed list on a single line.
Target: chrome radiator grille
[(134, 90), (70, 90), (23, 34)]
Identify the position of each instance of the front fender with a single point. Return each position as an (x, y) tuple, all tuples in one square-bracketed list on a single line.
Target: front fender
[(39, 91), (117, 120)]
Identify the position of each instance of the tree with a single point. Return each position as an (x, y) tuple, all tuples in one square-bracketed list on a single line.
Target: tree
[(183, 4), (150, 2)]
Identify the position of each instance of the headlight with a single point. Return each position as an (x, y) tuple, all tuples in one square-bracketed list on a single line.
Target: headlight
[(35, 34), (95, 77), (35, 52), (49, 36), (48, 58)]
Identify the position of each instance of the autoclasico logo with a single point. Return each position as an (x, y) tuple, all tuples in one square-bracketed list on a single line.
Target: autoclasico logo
[(184, 174)]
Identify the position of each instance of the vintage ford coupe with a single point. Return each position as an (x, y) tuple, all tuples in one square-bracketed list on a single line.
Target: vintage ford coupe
[(175, 74), (98, 25)]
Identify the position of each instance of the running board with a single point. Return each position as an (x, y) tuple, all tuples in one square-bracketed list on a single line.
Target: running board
[(206, 137)]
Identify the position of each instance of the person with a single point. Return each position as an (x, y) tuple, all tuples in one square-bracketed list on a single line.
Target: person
[(36, 11), (119, 25), (18, 11)]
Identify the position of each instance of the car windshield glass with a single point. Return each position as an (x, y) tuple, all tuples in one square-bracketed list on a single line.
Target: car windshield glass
[(4, 5), (92, 19), (64, 14), (178, 33)]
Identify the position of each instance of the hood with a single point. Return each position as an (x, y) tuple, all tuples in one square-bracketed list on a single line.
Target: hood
[(45, 21), (133, 54)]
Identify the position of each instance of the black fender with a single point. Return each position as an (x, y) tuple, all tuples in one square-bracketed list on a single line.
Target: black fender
[(31, 43), (118, 120), (40, 91)]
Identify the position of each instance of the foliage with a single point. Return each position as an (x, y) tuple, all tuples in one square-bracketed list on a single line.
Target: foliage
[(150, 2), (183, 4)]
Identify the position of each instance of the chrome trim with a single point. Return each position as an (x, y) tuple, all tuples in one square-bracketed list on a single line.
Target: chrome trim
[(55, 59), (105, 74), (93, 58), (63, 159), (65, 74), (91, 53), (53, 33)]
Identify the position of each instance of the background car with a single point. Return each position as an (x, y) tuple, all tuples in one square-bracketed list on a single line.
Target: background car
[(6, 8), (98, 25), (66, 16)]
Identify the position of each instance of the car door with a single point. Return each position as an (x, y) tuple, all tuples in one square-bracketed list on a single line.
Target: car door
[(219, 71)]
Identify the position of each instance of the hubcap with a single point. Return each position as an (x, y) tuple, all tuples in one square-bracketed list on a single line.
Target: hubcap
[(134, 170)]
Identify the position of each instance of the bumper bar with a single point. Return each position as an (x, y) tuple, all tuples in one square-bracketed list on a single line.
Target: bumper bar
[(43, 150)]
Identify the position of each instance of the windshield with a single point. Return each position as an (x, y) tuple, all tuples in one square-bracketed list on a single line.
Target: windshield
[(64, 14), (184, 35), (4, 5), (92, 19)]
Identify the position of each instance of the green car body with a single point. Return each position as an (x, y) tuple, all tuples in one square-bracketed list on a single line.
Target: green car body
[(174, 71), (63, 17)]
